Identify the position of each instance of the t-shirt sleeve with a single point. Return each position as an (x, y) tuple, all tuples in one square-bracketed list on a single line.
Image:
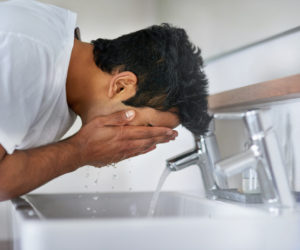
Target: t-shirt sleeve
[(25, 64)]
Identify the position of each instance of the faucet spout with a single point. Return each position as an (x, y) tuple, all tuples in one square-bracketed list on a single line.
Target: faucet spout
[(183, 160)]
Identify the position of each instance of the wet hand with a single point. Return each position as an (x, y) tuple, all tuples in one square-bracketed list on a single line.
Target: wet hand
[(107, 139)]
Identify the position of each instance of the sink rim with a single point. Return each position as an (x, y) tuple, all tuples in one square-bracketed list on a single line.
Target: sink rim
[(25, 206)]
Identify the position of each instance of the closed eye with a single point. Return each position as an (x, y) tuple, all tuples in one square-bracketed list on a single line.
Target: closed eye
[(150, 125)]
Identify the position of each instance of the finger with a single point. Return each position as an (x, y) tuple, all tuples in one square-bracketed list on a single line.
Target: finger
[(148, 150), (138, 152), (143, 144), (142, 132), (116, 119)]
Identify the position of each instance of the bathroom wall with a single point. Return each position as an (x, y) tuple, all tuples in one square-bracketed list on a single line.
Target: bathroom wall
[(218, 26), (271, 60), (213, 25)]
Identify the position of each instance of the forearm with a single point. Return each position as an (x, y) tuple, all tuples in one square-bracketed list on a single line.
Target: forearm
[(26, 170)]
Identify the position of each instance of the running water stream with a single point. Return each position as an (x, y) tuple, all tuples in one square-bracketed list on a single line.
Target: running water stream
[(155, 196)]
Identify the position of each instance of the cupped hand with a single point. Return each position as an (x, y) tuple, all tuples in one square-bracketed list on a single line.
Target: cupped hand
[(107, 139)]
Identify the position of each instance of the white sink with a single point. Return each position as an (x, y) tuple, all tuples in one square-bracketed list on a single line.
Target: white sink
[(118, 221)]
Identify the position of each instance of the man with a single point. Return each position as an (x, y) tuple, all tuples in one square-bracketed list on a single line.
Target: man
[(129, 93)]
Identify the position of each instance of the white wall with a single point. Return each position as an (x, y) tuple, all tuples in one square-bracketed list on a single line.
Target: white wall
[(271, 60), (214, 25), (218, 26)]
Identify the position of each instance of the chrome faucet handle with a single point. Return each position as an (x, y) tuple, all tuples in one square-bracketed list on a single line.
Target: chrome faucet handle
[(263, 154), (235, 165)]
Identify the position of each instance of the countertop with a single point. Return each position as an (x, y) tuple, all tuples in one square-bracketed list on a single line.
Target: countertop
[(269, 91)]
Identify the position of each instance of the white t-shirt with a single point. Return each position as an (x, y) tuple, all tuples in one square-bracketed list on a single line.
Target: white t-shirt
[(36, 42)]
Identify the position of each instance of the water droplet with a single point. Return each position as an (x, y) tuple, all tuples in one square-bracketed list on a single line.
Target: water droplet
[(133, 209), (115, 176), (86, 186), (96, 181), (95, 198), (94, 211), (112, 187), (151, 212), (114, 165), (130, 189), (88, 209), (30, 213), (129, 172)]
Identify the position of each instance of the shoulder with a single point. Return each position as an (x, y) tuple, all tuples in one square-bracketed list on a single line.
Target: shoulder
[(26, 67), (44, 23)]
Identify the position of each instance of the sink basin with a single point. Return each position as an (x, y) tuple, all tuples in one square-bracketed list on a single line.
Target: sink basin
[(119, 221)]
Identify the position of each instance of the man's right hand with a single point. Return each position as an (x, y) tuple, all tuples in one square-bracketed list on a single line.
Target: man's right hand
[(107, 139)]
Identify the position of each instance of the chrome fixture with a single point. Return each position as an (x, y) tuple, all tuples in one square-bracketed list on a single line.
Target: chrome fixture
[(198, 156), (262, 155)]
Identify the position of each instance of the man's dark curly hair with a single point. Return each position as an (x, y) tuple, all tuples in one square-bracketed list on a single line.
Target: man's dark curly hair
[(168, 68)]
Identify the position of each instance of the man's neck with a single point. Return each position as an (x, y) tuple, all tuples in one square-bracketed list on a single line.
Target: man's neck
[(78, 76), (86, 83)]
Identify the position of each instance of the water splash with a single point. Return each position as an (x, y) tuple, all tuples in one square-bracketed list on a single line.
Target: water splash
[(155, 196), (95, 198)]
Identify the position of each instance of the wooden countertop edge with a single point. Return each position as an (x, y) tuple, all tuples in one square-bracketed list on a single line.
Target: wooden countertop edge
[(278, 89)]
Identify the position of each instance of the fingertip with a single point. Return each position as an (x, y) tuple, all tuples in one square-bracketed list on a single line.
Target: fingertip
[(150, 149), (130, 114), (170, 132)]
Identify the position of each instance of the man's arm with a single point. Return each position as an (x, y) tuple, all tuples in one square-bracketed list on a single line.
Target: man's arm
[(2, 153), (98, 143), (26, 170)]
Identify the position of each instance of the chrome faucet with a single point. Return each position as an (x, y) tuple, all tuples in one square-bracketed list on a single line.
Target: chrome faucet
[(262, 155), (204, 155), (197, 156)]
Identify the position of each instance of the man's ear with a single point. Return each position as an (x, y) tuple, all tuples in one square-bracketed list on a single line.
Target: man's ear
[(122, 85)]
